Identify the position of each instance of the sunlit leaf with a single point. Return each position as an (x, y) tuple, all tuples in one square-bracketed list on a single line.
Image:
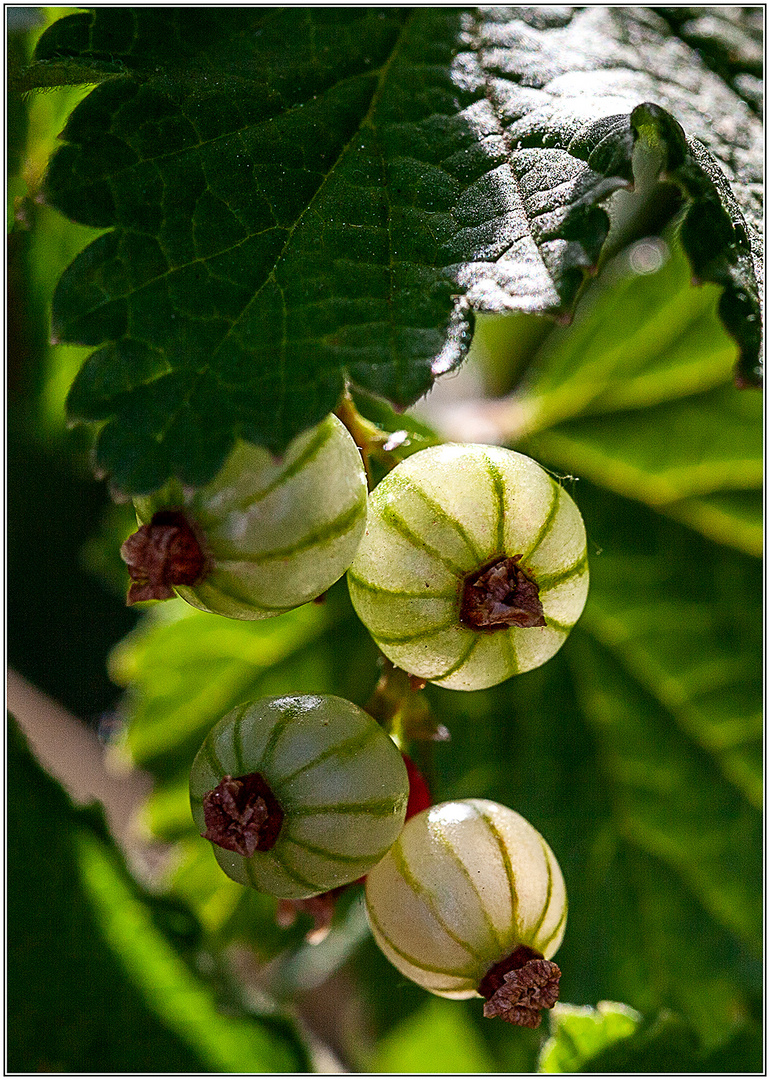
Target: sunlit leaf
[(578, 1033)]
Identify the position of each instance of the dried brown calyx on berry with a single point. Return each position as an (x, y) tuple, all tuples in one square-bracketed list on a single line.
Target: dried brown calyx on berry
[(519, 987), (242, 815), (499, 596), (165, 553)]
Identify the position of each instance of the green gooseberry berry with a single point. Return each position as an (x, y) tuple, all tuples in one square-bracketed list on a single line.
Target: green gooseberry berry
[(298, 794), (473, 565), (264, 536), (470, 901)]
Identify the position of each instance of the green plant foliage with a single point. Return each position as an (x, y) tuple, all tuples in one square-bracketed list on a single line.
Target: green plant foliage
[(580, 1033), (296, 200), (77, 920), (438, 1038), (636, 396), (615, 1040), (303, 196)]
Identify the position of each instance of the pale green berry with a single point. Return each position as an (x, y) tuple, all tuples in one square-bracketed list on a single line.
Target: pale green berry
[(468, 892), (262, 537), (298, 794), (473, 566)]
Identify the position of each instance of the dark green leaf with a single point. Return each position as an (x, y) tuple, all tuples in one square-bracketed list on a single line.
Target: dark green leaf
[(730, 40), (94, 985), (301, 197)]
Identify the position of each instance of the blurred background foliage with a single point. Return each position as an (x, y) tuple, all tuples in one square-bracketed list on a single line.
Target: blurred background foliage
[(637, 751)]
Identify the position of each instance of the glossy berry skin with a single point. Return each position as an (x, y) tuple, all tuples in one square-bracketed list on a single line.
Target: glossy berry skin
[(444, 521), (274, 533), (465, 885), (339, 780)]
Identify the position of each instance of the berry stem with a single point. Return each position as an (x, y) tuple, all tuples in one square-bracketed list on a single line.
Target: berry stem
[(368, 437)]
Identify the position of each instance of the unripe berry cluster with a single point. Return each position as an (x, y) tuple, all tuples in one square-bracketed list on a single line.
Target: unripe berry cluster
[(467, 566)]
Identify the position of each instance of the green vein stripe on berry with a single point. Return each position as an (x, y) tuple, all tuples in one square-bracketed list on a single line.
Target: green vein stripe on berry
[(290, 873), (399, 525), (506, 860), (544, 944), (440, 513), (457, 973), (415, 635), (465, 656), (331, 530), (550, 581), (498, 490), (549, 891), (311, 451), (211, 755), (547, 525), (238, 741), (509, 644), (355, 742), (401, 865), (558, 627), (403, 594), (347, 860), (454, 855), (243, 597), (375, 808)]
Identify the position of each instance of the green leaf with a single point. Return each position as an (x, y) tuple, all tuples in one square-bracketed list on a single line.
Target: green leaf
[(692, 643), (730, 40), (670, 456), (186, 668), (94, 983), (304, 197), (643, 336), (579, 1033), (187, 1006), (439, 1038), (669, 799), (615, 1039), (648, 413), (193, 667)]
